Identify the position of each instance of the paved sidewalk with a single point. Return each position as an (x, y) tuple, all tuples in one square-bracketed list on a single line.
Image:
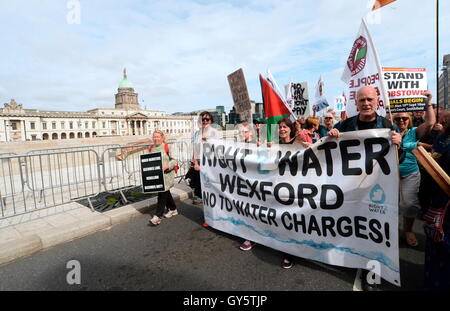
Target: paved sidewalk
[(26, 234)]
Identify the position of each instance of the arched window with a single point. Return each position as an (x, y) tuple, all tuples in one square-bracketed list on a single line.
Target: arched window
[(45, 136)]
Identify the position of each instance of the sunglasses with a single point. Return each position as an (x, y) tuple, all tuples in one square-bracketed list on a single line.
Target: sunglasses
[(397, 119), (206, 119), (328, 118)]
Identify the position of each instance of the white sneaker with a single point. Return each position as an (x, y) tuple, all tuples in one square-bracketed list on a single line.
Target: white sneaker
[(170, 213), (155, 220)]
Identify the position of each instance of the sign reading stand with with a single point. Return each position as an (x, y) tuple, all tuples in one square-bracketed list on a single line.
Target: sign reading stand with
[(405, 88), (152, 173)]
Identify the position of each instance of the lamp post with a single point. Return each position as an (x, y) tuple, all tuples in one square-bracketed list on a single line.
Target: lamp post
[(445, 81)]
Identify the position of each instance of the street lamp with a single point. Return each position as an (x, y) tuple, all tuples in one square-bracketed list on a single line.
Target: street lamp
[(445, 76)]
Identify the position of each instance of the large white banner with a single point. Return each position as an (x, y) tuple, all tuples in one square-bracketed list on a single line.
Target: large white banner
[(335, 202)]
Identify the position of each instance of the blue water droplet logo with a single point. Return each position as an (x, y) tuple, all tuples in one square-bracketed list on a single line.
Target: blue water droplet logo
[(206, 180), (377, 195)]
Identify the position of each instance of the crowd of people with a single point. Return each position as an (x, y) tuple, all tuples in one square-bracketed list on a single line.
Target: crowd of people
[(420, 197)]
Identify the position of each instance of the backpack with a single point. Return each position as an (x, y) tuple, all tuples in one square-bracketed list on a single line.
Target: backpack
[(166, 149)]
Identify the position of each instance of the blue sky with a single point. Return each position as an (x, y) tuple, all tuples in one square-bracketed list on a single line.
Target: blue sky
[(178, 53)]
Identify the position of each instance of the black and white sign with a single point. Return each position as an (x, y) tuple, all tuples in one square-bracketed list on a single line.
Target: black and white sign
[(152, 173)]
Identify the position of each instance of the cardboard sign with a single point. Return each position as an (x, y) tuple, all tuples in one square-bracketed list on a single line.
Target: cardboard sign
[(238, 88), (297, 99), (152, 173), (339, 104), (405, 88)]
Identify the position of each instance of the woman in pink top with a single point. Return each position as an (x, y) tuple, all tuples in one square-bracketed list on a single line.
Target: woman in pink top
[(309, 134)]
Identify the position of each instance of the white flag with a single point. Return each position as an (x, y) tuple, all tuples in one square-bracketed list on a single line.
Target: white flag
[(363, 68), (320, 103)]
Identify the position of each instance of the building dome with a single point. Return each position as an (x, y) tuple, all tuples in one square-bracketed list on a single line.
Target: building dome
[(125, 83)]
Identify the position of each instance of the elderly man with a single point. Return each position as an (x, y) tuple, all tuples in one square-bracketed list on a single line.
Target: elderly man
[(367, 103)]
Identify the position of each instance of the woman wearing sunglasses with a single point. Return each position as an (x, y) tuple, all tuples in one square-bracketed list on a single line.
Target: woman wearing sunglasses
[(409, 169), (204, 132)]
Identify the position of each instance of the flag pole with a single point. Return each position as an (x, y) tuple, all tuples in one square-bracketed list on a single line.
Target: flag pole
[(437, 60), (380, 69)]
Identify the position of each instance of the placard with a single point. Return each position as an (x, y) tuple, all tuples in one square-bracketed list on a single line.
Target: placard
[(405, 88), (239, 92), (152, 173)]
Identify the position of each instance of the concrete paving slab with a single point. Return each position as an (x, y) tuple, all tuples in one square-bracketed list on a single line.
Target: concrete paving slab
[(20, 247), (82, 212), (122, 214), (10, 233), (33, 227), (61, 220)]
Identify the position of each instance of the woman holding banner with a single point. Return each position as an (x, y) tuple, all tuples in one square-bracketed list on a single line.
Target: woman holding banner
[(205, 132), (246, 135), (409, 169), (286, 135), (165, 198)]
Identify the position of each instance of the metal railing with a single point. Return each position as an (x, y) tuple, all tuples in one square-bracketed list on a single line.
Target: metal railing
[(39, 179), (97, 148)]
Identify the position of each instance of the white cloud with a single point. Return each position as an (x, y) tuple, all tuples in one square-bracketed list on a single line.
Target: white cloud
[(178, 53)]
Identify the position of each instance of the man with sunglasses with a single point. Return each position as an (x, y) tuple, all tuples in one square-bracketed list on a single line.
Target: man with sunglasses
[(328, 125), (205, 131)]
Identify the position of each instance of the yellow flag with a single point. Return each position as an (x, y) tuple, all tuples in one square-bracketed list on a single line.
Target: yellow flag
[(380, 3)]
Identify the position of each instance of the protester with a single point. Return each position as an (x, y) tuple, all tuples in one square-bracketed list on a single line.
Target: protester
[(367, 118), (165, 198), (300, 123), (286, 131), (246, 135), (418, 118), (409, 169), (309, 134), (205, 132), (437, 227), (260, 135), (286, 134), (426, 180), (328, 125)]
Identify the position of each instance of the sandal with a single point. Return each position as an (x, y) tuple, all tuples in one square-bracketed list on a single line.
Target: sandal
[(411, 239)]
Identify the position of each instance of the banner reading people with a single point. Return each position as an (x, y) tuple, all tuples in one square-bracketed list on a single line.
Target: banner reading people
[(335, 202)]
